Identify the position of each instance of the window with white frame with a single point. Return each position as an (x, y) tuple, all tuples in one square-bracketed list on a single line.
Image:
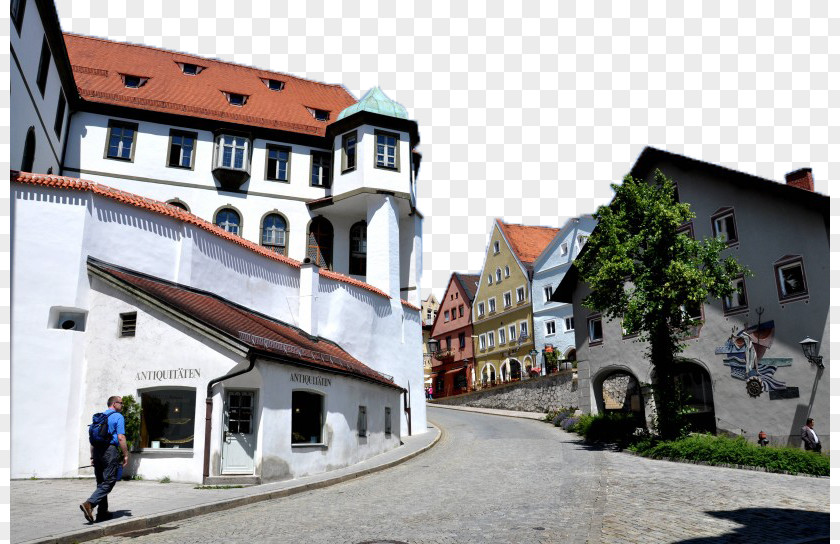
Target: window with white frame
[(520, 294), (512, 332), (564, 249), (569, 323), (790, 278), (274, 233), (491, 339), (507, 271), (121, 138), (321, 168), (496, 247), (491, 305), (482, 342), (229, 220), (737, 300), (723, 226), (523, 330), (507, 299), (498, 275), (387, 155), (502, 338), (547, 293), (232, 152), (596, 332), (181, 148), (549, 328), (348, 152), (489, 279), (480, 309), (277, 163)]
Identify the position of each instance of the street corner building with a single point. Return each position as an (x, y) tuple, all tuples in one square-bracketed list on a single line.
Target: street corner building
[(227, 244), (747, 367)]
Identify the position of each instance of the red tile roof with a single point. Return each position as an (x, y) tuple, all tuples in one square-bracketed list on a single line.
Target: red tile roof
[(527, 242), (247, 326), (62, 182), (98, 66), (407, 304)]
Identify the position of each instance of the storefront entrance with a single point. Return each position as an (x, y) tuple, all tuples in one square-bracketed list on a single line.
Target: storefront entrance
[(239, 438)]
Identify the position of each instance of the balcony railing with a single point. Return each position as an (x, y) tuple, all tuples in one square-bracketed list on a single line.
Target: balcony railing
[(444, 354)]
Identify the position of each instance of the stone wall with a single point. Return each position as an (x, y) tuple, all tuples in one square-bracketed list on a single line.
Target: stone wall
[(540, 394)]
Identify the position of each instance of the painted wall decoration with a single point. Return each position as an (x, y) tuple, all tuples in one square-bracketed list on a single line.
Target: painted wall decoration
[(744, 354)]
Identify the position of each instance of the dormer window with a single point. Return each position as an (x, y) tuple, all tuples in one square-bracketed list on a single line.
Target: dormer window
[(235, 99), (274, 84), (319, 115), (190, 69), (133, 82)]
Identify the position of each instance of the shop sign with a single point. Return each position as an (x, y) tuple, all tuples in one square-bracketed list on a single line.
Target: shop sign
[(309, 380), (170, 374)]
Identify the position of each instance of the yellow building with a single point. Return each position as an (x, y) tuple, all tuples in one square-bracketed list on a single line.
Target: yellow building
[(503, 333)]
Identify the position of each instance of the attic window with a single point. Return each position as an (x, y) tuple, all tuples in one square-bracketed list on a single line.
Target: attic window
[(319, 115), (274, 84), (236, 99), (133, 82), (128, 324), (190, 69)]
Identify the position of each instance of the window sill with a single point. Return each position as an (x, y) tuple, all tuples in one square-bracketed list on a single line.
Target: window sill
[(277, 180), (167, 452), (389, 168), (348, 170), (179, 167), (121, 159), (736, 311), (596, 343), (319, 445), (794, 298)]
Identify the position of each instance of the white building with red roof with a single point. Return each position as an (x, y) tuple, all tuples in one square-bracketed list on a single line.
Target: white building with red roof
[(185, 229)]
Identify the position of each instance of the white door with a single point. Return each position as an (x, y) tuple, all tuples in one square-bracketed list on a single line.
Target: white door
[(239, 438)]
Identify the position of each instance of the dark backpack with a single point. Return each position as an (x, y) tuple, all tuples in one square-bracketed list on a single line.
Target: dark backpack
[(98, 433)]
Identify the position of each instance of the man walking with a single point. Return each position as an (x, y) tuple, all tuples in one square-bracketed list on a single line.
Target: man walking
[(106, 462), (810, 438)]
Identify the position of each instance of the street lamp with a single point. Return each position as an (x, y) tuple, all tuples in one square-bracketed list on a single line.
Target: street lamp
[(809, 348), (433, 345)]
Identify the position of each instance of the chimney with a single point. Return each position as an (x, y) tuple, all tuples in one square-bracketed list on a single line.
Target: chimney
[(307, 305), (801, 178)]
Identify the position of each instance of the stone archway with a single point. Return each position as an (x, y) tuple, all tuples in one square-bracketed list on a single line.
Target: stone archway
[(695, 384), (618, 390)]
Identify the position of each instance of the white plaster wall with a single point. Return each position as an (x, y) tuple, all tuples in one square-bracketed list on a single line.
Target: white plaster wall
[(28, 107), (366, 174)]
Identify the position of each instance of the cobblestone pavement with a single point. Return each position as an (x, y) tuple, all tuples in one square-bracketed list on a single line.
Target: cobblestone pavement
[(497, 479)]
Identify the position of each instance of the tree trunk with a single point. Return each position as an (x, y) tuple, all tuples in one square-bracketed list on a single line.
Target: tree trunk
[(665, 394)]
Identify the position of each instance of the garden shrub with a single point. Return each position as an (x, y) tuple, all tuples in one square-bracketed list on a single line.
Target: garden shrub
[(569, 422), (717, 450)]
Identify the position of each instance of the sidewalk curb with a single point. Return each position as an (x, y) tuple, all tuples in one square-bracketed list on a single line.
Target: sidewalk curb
[(533, 416), (155, 520)]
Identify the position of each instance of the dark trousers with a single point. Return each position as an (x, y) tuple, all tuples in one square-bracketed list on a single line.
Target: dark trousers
[(105, 465)]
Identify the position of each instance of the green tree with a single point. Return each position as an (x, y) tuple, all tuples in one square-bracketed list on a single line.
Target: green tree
[(131, 413), (643, 272)]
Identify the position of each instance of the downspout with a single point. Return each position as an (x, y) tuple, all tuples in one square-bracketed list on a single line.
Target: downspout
[(252, 358), (64, 147), (407, 406)]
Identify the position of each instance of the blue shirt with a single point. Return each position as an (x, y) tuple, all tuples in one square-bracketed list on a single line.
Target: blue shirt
[(116, 425)]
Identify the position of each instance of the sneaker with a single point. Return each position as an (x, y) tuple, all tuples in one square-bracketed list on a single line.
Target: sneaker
[(87, 510)]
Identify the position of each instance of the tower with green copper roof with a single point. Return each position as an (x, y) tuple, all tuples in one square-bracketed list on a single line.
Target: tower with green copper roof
[(375, 101)]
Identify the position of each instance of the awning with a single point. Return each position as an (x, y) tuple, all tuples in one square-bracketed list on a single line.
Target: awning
[(454, 371)]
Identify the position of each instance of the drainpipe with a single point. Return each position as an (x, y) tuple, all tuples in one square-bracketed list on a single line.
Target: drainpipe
[(407, 406), (64, 147), (252, 359)]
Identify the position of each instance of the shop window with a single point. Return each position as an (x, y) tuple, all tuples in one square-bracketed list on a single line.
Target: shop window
[(388, 423), (277, 163), (790, 278), (167, 418), (307, 417), (361, 421)]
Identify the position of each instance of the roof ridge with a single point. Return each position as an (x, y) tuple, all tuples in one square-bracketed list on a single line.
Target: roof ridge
[(194, 56)]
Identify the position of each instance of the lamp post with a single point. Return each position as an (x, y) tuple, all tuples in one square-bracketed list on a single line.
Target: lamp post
[(433, 346), (809, 348)]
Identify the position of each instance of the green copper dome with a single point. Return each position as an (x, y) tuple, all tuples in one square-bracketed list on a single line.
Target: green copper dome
[(375, 101)]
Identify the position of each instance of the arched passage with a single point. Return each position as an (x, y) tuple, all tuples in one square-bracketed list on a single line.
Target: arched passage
[(617, 390), (320, 242), (694, 383)]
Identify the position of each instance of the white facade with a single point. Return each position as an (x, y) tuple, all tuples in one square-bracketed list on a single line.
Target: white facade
[(554, 321), (373, 316)]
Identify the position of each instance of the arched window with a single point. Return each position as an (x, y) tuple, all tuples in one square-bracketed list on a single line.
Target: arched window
[(274, 233), (498, 274), (28, 151), (228, 219), (320, 242), (358, 249), (178, 204)]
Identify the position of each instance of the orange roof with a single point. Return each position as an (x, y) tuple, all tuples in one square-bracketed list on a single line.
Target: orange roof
[(527, 242), (63, 182), (407, 304), (98, 66)]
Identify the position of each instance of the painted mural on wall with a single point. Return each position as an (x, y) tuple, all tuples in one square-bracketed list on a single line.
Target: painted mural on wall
[(744, 354)]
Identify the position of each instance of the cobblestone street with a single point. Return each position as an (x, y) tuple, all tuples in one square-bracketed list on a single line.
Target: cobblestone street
[(498, 479)]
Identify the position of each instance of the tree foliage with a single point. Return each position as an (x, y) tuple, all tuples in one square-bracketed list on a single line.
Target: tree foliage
[(642, 271)]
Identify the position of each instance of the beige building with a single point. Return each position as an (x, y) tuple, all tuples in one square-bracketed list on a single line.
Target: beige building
[(502, 314), (428, 311)]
